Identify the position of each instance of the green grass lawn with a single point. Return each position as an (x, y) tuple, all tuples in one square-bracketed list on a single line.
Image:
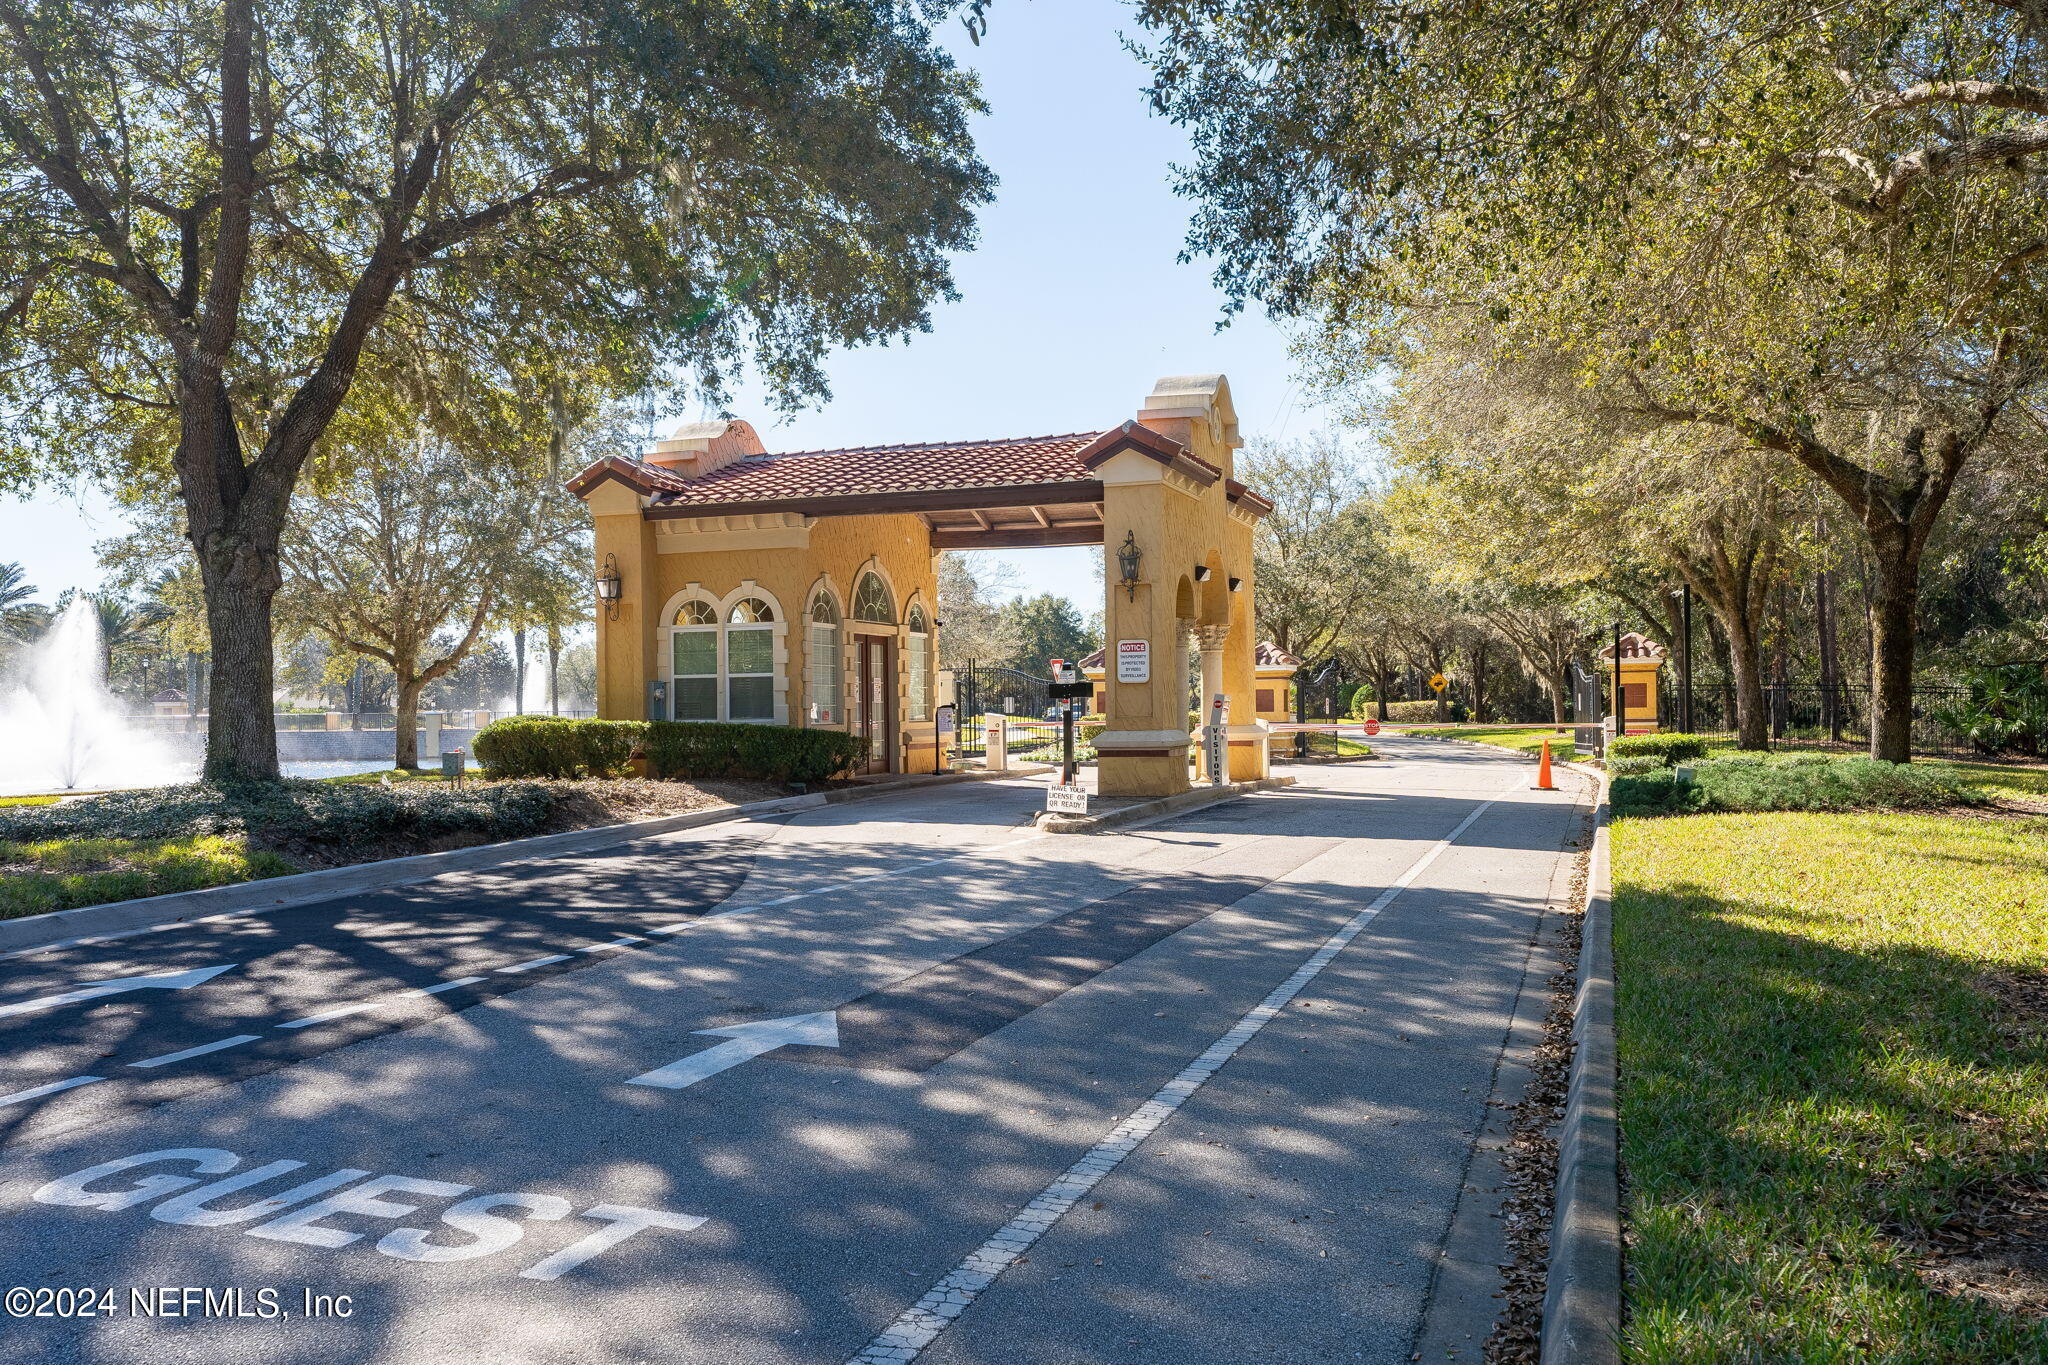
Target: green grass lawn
[(1810, 1065), (1522, 739), (60, 874), (28, 800)]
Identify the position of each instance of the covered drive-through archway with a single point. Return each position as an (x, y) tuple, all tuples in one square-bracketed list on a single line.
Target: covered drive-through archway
[(801, 588)]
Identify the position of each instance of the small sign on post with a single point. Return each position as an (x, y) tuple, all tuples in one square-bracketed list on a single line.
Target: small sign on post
[(1438, 682), (1214, 747), (453, 761), (1067, 798)]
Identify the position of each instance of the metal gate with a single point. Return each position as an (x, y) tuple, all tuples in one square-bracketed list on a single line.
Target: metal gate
[(986, 689)]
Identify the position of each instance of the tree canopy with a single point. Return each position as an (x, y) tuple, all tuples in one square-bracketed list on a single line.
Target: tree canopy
[(216, 217)]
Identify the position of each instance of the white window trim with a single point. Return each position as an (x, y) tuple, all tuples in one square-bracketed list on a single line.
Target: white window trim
[(722, 609), (916, 604), (824, 589)]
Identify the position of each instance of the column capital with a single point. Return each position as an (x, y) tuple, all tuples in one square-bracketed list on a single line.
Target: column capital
[(1213, 637)]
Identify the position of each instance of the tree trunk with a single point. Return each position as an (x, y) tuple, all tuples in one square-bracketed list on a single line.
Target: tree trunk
[(241, 731), (1781, 668), (1745, 658), (406, 711), (1830, 655), (519, 671), (1894, 607)]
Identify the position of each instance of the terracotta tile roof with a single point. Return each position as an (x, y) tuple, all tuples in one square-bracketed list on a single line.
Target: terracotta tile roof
[(936, 475), (885, 469)]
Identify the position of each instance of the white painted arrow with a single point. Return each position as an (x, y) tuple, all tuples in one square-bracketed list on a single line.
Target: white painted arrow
[(170, 981), (748, 1041)]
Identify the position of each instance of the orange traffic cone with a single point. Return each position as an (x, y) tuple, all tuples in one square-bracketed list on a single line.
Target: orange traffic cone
[(1543, 783)]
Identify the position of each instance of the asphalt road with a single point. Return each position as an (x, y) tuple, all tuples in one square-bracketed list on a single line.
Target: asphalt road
[(897, 1079)]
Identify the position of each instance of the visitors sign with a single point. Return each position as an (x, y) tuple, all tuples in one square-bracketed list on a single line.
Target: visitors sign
[(1133, 661)]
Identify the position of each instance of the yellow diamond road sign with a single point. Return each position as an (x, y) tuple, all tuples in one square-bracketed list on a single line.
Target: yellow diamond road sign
[(1439, 681)]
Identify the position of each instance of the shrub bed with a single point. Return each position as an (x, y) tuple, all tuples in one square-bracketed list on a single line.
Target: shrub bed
[(326, 814), (555, 746), (1671, 746), (775, 753), (1811, 782)]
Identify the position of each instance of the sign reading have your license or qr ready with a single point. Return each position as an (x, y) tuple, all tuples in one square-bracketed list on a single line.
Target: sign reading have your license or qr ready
[(1070, 799)]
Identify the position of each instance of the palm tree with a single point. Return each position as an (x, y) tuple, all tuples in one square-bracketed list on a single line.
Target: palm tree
[(20, 618), (125, 629)]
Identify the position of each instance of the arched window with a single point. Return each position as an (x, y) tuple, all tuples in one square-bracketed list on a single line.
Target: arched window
[(871, 601), (750, 661), (826, 662), (695, 662), (917, 658)]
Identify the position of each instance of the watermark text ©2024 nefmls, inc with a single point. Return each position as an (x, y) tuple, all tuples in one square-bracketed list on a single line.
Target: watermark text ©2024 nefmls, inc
[(175, 1301)]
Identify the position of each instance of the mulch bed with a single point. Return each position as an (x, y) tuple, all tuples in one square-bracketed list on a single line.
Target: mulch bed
[(585, 803), (1531, 1160)]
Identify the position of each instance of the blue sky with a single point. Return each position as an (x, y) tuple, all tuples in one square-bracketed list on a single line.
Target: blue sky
[(1070, 308)]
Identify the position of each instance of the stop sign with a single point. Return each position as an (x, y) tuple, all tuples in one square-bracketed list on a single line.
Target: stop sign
[(1372, 727)]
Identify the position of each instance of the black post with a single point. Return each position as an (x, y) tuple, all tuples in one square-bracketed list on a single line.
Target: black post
[(1620, 719), (1300, 716), (1067, 742), (1685, 658)]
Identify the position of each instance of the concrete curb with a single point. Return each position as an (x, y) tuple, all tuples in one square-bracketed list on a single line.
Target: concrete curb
[(1582, 1293), (115, 919), (1158, 806)]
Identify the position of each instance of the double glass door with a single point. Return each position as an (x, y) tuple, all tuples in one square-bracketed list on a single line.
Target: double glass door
[(871, 711)]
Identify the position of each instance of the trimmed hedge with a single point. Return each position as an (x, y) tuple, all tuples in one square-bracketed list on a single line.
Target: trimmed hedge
[(326, 813), (1810, 782), (556, 746), (775, 753), (1669, 746)]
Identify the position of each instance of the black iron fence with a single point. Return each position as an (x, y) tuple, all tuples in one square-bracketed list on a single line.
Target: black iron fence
[(1810, 716)]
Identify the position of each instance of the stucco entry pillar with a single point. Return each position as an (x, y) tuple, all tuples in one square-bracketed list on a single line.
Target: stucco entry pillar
[(1249, 737), (1143, 747)]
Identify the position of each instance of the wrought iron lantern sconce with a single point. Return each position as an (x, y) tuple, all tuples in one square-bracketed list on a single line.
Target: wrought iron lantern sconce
[(609, 587), (1203, 573), (1237, 585), (1127, 557)]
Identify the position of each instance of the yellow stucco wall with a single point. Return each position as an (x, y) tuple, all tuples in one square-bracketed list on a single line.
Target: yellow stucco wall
[(661, 570)]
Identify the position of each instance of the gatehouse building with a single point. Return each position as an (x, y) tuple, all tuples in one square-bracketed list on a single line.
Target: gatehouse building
[(800, 588)]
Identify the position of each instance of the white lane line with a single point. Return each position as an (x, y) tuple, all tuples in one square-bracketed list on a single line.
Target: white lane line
[(215, 1046), (627, 941), (38, 1091), (537, 962), (920, 1324), (343, 1011), (445, 986), (338, 1013)]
